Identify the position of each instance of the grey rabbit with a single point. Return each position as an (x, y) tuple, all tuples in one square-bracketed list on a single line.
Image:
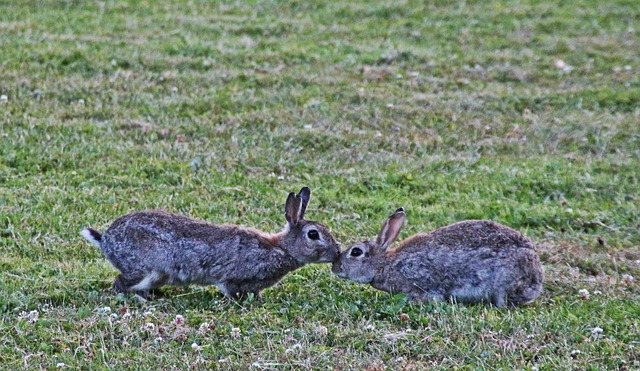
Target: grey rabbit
[(473, 261), (154, 248)]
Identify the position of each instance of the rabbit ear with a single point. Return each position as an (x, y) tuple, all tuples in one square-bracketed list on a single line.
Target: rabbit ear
[(292, 209), (305, 195), (391, 229)]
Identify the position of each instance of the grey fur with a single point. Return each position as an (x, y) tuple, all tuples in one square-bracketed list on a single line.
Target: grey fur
[(154, 248), (473, 261)]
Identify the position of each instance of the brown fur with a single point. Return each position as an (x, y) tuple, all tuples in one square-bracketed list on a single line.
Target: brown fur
[(271, 239)]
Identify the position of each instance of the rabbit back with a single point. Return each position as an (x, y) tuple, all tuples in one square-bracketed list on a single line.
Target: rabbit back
[(470, 262), (468, 234)]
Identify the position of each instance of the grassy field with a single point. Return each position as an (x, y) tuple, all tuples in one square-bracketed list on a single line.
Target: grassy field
[(524, 112)]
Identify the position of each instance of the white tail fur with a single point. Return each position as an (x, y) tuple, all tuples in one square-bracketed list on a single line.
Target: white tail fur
[(86, 233)]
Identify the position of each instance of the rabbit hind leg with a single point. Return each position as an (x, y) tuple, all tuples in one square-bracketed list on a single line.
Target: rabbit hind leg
[(122, 286), (140, 285)]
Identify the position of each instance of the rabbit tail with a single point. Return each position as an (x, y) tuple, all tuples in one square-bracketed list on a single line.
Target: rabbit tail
[(92, 236)]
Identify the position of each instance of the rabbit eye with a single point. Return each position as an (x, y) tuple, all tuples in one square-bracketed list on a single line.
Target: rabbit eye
[(356, 252), (313, 234)]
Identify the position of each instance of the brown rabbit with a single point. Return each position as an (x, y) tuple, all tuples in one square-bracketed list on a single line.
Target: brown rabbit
[(154, 248), (474, 261)]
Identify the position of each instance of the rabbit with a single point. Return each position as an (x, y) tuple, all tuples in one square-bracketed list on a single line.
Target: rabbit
[(470, 262), (154, 248)]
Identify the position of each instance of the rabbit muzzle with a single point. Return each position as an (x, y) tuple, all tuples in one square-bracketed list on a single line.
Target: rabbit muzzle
[(336, 268), (329, 254)]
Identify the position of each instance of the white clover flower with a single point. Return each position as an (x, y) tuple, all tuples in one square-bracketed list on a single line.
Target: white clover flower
[(196, 347), (575, 352), (297, 346), (60, 365), (3, 98), (321, 331), (560, 64), (235, 332), (149, 326), (31, 317), (596, 331), (104, 310), (627, 279), (584, 293), (370, 327), (179, 320), (204, 326), (157, 340)]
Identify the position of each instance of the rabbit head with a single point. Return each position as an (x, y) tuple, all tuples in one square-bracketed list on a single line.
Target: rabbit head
[(363, 260), (307, 241)]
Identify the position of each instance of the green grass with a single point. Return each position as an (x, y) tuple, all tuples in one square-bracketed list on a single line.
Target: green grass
[(216, 110)]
